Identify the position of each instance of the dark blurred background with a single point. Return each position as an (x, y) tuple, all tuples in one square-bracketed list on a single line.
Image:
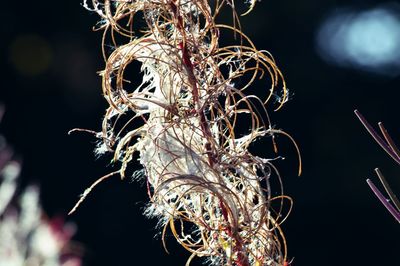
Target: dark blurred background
[(336, 56)]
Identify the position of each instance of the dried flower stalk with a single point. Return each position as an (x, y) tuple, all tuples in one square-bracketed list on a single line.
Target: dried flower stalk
[(198, 169), (388, 145)]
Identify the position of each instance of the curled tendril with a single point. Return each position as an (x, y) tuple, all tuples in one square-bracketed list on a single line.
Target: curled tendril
[(197, 165)]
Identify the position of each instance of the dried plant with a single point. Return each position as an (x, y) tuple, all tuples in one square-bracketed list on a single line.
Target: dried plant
[(388, 145), (26, 236), (182, 121)]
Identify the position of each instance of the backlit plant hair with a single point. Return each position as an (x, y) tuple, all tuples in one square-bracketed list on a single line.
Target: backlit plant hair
[(198, 168)]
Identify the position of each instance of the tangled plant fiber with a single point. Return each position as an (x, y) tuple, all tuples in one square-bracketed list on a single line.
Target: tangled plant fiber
[(198, 167)]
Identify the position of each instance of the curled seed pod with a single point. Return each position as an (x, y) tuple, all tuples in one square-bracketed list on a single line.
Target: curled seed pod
[(197, 165)]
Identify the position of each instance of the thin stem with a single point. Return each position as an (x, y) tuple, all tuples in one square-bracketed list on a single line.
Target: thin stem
[(388, 189), (89, 189), (389, 140), (384, 201), (377, 138)]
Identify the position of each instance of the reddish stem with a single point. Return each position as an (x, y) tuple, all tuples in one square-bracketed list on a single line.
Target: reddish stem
[(188, 65)]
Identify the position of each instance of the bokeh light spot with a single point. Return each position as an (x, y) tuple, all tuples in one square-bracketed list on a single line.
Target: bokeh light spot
[(31, 55), (367, 40)]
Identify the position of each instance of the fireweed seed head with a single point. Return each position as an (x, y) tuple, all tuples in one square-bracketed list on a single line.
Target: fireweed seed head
[(197, 162)]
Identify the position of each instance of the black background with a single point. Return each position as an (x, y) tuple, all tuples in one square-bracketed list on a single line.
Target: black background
[(336, 219)]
